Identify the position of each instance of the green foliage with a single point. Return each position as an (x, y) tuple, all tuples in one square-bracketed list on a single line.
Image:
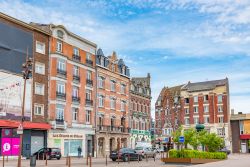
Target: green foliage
[(188, 134), (196, 154), (212, 142), (177, 134)]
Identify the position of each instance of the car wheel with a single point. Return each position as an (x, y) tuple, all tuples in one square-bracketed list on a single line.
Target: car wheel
[(125, 158), (113, 159), (58, 158)]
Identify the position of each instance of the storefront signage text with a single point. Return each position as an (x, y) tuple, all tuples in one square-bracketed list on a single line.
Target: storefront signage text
[(67, 136)]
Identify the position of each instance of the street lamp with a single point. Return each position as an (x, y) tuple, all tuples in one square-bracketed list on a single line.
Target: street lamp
[(27, 70)]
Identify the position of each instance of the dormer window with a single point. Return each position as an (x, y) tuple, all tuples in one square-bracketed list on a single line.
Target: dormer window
[(60, 34)]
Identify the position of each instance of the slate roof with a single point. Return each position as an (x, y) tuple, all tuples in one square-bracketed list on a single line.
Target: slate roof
[(202, 86)]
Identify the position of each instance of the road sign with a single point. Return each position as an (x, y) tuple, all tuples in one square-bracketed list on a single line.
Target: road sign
[(181, 139)]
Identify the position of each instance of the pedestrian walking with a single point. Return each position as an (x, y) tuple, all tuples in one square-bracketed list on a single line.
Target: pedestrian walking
[(79, 152)]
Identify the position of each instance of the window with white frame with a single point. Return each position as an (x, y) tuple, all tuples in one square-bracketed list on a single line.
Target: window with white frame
[(101, 100), (59, 46), (220, 131), (176, 99), (206, 109), (39, 68), (186, 121), (60, 112), (206, 120), (75, 70), (219, 98), (89, 75), (100, 82), (112, 103), (61, 65), (75, 91), (40, 47), (241, 127), (112, 85), (186, 100), (60, 34), (76, 51), (186, 110), (89, 56), (88, 116), (195, 99), (220, 108), (196, 109), (123, 104), (38, 109), (123, 88), (75, 114), (39, 88), (196, 120), (205, 98), (60, 87), (88, 94), (220, 119)]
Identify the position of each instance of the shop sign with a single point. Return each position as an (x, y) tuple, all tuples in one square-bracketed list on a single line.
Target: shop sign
[(60, 135), (10, 146)]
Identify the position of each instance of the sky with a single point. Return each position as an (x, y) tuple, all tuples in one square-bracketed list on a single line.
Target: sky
[(176, 41)]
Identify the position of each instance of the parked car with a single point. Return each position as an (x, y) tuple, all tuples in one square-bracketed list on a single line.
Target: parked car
[(145, 151), (225, 150), (50, 152), (125, 154)]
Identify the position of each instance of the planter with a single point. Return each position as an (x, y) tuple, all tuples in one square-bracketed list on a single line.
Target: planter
[(188, 160)]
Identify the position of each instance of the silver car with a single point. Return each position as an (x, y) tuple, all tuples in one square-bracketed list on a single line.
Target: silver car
[(145, 151)]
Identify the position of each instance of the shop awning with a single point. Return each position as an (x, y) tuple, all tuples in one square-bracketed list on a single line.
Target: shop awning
[(26, 125), (245, 136)]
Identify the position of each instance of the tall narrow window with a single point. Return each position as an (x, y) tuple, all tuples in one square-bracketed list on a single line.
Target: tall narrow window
[(195, 99), (60, 87), (75, 70), (75, 91), (112, 85), (40, 68), (196, 109), (40, 47), (59, 112), (112, 103), (123, 103), (59, 46), (220, 108), (76, 51), (75, 114), (89, 75), (101, 101), (123, 88), (88, 116), (206, 109), (88, 94), (61, 65), (100, 82), (219, 98)]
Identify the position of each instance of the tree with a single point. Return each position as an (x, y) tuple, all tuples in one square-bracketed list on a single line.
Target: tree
[(176, 135), (188, 134), (212, 142), (194, 140)]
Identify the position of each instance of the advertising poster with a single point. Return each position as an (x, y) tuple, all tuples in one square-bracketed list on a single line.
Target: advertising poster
[(6, 146), (11, 93)]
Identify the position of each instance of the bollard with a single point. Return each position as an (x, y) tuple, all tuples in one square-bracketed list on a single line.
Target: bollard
[(146, 158), (118, 159), (154, 157), (90, 161), (87, 160), (138, 158), (69, 161), (33, 161), (7, 158), (3, 160), (128, 158), (106, 160), (46, 160)]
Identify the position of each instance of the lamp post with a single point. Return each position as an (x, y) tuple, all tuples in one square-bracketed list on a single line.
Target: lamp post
[(26, 75)]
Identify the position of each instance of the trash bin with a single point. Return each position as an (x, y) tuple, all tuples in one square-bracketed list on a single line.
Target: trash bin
[(33, 161)]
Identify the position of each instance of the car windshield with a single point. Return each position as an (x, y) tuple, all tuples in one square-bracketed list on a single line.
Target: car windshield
[(138, 148), (55, 150)]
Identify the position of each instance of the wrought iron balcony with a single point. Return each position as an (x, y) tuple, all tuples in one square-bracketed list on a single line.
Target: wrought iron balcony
[(76, 99), (89, 82), (89, 62), (89, 102), (61, 72), (76, 78), (76, 58), (113, 129), (59, 121), (61, 95)]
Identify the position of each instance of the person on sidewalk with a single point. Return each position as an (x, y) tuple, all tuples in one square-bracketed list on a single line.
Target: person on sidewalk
[(79, 152)]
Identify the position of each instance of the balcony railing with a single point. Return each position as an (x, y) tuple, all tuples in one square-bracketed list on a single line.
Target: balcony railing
[(89, 82), (61, 95), (76, 99), (76, 58), (76, 78), (59, 121), (89, 102), (61, 72), (89, 62), (113, 129)]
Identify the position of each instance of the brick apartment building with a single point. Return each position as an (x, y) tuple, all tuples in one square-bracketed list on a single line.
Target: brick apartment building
[(16, 38), (194, 103), (112, 116), (240, 129), (72, 90), (140, 112)]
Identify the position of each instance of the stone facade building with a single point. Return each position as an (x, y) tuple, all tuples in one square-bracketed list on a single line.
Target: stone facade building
[(140, 112), (17, 40), (72, 90), (112, 116), (197, 103)]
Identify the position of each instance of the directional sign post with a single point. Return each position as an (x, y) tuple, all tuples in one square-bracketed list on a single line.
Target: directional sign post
[(181, 139)]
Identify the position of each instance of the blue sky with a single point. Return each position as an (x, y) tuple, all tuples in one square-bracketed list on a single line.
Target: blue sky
[(175, 40)]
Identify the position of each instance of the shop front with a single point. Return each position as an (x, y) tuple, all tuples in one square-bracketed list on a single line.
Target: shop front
[(69, 142)]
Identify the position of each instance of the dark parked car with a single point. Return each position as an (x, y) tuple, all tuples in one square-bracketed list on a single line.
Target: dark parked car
[(51, 153), (225, 150), (125, 154)]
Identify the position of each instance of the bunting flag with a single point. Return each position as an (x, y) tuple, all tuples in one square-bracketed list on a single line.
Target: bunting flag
[(11, 86)]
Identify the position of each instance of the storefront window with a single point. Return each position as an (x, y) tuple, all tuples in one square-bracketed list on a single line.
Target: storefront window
[(71, 146)]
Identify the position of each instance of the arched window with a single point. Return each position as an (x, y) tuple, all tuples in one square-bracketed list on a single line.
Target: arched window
[(60, 34)]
